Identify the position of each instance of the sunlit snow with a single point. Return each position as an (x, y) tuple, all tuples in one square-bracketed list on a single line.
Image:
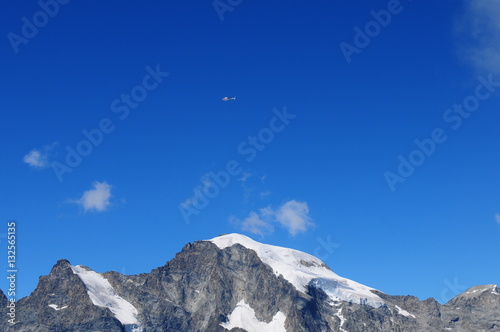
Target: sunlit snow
[(404, 312), (342, 319), (56, 307)]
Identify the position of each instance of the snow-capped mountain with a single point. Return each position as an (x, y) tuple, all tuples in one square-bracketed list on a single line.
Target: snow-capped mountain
[(233, 283), (302, 270)]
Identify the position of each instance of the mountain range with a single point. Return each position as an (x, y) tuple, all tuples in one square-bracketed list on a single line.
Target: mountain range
[(233, 283)]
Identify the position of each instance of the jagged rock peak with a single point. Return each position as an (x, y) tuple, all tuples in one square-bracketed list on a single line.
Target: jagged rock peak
[(63, 262), (62, 267)]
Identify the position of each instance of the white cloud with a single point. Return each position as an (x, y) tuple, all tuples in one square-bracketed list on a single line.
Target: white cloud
[(480, 27), (39, 158), (265, 193), (256, 225), (245, 176), (497, 218), (292, 215), (96, 199), (36, 159)]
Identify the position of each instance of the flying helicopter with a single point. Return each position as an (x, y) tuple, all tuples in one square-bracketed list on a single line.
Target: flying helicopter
[(228, 98)]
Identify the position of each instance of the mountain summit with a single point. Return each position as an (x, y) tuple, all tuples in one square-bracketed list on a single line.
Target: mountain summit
[(233, 283)]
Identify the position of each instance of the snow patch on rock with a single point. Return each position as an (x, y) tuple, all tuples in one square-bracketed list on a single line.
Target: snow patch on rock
[(104, 295), (404, 312), (243, 317), (56, 307)]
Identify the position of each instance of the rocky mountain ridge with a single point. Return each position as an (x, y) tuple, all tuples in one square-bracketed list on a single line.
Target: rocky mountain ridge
[(232, 283)]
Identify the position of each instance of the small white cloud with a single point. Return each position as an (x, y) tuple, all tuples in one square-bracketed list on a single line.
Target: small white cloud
[(39, 158), (480, 27), (265, 193), (36, 159), (245, 176), (292, 215), (255, 224), (96, 199), (497, 218)]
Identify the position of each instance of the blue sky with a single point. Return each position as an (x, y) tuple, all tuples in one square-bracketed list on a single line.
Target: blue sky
[(376, 150)]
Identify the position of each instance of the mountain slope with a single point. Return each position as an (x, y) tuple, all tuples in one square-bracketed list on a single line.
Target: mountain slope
[(232, 283), (302, 269)]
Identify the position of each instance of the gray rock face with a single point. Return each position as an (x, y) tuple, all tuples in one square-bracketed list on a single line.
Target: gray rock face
[(201, 287), (477, 309)]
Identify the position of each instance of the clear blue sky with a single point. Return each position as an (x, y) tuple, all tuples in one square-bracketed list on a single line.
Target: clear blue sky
[(319, 177)]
